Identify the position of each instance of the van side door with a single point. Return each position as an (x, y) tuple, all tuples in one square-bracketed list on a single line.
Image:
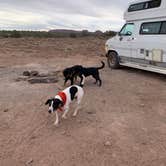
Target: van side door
[(125, 38)]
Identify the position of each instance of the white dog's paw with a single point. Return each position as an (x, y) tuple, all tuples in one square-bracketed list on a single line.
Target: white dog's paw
[(56, 124), (74, 115), (64, 117)]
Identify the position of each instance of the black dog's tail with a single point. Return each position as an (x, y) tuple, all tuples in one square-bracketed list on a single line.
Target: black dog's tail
[(103, 65)]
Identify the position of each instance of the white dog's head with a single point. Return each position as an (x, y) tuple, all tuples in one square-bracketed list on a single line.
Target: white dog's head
[(54, 104)]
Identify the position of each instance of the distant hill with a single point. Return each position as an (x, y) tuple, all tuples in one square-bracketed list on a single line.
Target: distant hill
[(64, 31)]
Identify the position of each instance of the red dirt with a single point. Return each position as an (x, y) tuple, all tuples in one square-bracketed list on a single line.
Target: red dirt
[(123, 123)]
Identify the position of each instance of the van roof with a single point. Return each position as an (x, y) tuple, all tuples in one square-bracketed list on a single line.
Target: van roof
[(147, 13)]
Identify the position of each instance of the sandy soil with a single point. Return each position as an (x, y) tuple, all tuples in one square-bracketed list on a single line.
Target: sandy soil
[(123, 123)]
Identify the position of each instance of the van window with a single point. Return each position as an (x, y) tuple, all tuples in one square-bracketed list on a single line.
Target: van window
[(127, 29), (136, 7), (154, 3), (150, 28), (163, 28), (144, 5)]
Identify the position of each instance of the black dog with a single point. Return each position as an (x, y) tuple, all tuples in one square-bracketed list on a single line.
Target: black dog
[(71, 73)]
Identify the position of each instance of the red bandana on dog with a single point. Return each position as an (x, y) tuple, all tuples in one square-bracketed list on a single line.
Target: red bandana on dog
[(63, 97)]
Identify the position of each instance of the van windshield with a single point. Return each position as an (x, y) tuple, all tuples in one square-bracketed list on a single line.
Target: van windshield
[(127, 30)]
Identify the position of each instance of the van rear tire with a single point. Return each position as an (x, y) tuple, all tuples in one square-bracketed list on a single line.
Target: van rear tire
[(113, 60)]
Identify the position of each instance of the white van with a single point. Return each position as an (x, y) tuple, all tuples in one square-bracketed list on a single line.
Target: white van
[(141, 43)]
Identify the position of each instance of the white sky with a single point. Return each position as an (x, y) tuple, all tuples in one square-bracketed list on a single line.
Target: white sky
[(62, 14)]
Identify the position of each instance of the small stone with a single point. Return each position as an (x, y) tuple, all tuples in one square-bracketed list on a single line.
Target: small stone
[(107, 143), (144, 143), (142, 105), (6, 110), (63, 133), (89, 112), (29, 161), (79, 121), (33, 137)]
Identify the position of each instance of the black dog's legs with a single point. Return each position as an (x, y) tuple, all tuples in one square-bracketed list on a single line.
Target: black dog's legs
[(66, 79), (72, 80), (97, 78), (95, 81), (100, 82)]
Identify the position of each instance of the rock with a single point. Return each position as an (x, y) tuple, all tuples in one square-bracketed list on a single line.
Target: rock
[(33, 77), (42, 80), (107, 143), (42, 75), (142, 105), (6, 110), (34, 73), (144, 143), (63, 133), (26, 73), (79, 121), (90, 112), (29, 161), (21, 78)]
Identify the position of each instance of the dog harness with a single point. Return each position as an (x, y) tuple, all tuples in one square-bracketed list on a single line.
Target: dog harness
[(63, 97)]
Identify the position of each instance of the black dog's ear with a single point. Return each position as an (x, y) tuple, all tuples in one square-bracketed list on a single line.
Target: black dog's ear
[(47, 101)]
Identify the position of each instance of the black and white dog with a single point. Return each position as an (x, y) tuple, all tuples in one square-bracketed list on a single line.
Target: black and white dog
[(63, 99), (71, 73)]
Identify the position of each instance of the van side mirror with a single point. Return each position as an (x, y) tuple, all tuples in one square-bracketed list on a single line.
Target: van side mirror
[(118, 34), (128, 33)]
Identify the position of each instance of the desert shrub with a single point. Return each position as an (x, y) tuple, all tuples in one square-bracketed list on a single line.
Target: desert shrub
[(73, 35), (55, 33), (84, 33), (110, 33), (15, 34)]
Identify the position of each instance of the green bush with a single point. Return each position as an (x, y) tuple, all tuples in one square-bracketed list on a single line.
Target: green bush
[(15, 34)]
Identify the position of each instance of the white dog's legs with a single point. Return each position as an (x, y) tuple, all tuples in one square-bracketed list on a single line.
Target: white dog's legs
[(78, 106), (57, 119), (65, 112), (76, 110)]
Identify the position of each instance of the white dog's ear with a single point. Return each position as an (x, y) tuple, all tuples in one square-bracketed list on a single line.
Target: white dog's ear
[(47, 101), (61, 104)]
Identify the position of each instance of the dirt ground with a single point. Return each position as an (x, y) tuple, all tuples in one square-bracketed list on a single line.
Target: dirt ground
[(122, 123)]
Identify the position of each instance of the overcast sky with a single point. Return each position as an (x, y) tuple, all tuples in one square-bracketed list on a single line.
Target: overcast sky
[(62, 14)]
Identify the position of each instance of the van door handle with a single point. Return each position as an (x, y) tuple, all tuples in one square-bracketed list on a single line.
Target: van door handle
[(130, 39)]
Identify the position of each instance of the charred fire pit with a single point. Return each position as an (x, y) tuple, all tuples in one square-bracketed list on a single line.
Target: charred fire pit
[(34, 77)]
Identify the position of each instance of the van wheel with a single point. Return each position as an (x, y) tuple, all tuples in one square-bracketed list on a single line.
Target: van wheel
[(113, 60)]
